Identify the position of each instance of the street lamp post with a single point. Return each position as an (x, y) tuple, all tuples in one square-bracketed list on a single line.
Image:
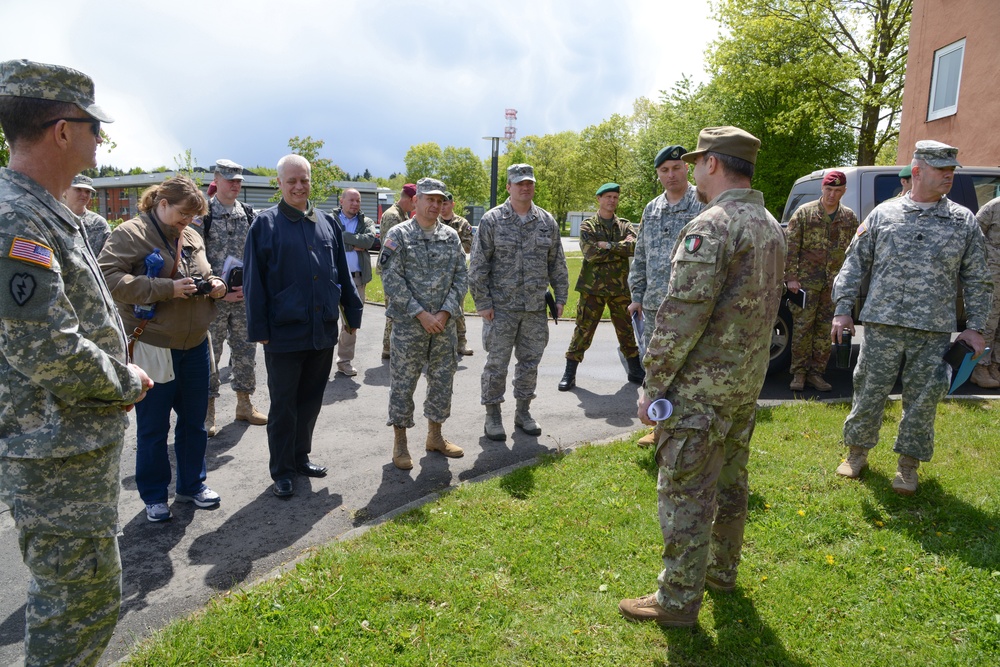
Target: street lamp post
[(493, 169)]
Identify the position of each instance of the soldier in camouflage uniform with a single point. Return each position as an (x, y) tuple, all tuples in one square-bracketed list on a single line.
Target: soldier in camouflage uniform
[(423, 268), (516, 255), (396, 214), (78, 197), (817, 236), (708, 356), (987, 373), (464, 229), (916, 248), (662, 221), (607, 242), (66, 384), (225, 231)]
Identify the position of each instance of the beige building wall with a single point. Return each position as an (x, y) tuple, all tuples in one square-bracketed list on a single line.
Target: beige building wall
[(975, 127)]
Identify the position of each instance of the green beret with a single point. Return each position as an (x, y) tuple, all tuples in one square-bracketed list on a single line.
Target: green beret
[(669, 153), (905, 172), (608, 187)]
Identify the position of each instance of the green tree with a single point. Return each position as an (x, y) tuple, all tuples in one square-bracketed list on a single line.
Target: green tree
[(559, 188), (4, 150), (422, 160), (848, 58), (464, 176)]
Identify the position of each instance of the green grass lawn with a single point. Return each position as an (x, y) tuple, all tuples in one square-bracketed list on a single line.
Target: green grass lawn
[(574, 263), (528, 569)]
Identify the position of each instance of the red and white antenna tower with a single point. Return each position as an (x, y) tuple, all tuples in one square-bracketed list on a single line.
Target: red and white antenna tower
[(510, 132)]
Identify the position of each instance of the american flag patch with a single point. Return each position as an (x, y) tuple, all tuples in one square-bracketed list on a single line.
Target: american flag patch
[(390, 244), (31, 251)]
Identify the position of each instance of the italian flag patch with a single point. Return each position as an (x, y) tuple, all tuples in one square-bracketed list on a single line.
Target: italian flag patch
[(692, 243)]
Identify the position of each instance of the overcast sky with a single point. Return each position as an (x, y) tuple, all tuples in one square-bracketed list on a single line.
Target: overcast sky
[(371, 78)]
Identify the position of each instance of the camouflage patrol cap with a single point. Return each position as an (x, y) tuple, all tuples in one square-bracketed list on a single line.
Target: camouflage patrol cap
[(26, 78), (430, 186), (229, 170), (727, 140), (83, 182), (936, 154), (906, 172), (449, 196), (675, 152), (520, 172), (608, 187)]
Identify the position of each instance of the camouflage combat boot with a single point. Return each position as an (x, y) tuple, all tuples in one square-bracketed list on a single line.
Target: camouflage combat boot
[(855, 462), (905, 481), (568, 380), (400, 454), (523, 418), (981, 377), (995, 372), (437, 443), (246, 412), (636, 373), (494, 423), (210, 419), (798, 382)]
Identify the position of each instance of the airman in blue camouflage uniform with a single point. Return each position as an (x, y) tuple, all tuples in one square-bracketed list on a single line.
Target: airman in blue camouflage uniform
[(516, 255), (225, 231), (916, 248), (66, 382), (423, 268), (708, 356)]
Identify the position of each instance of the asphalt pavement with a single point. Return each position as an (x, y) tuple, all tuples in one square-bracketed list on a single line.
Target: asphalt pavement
[(173, 569)]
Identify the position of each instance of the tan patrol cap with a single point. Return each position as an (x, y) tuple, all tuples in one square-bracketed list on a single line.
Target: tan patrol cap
[(727, 140)]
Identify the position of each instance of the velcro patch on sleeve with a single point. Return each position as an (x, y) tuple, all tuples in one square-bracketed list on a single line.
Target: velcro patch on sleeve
[(31, 251)]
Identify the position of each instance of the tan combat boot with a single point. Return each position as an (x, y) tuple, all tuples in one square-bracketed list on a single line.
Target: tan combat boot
[(437, 443), (855, 462), (210, 419), (905, 481), (817, 381), (798, 382), (523, 418), (995, 372), (246, 412), (647, 440), (494, 423), (982, 378), (400, 454)]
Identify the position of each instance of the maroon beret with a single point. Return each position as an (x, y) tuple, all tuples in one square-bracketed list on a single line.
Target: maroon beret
[(835, 178), (410, 190)]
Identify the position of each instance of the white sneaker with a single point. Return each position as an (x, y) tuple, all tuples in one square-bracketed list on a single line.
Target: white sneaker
[(157, 512), (204, 498)]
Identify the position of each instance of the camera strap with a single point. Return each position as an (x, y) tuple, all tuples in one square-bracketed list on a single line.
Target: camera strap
[(142, 323)]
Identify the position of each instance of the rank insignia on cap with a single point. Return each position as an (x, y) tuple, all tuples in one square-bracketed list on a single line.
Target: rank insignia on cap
[(30, 251), (22, 286), (692, 242)]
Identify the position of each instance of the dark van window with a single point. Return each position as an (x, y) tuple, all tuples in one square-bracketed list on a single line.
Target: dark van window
[(887, 186), (795, 202), (986, 187)]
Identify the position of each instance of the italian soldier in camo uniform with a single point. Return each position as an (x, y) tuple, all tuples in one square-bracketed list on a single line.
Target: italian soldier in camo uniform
[(464, 230), (66, 384), (817, 235), (225, 231), (916, 248), (662, 221), (423, 268), (607, 242), (516, 256), (708, 356)]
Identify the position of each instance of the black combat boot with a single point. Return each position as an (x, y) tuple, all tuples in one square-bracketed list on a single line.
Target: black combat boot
[(569, 377), (636, 374)]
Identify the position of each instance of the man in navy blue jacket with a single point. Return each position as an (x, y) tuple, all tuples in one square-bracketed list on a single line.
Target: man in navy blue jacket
[(295, 280)]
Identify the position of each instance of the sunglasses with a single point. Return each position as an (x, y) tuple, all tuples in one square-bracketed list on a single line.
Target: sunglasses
[(95, 125)]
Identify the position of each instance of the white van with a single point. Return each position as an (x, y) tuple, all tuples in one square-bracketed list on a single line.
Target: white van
[(867, 187)]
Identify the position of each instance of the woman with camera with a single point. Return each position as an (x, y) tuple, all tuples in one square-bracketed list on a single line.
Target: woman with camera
[(160, 279)]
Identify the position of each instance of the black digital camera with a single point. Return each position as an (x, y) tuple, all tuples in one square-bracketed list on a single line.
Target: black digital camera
[(201, 286)]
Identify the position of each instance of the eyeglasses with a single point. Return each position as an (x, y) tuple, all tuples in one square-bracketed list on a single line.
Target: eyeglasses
[(95, 125)]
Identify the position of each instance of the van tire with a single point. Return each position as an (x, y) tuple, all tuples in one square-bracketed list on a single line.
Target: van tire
[(781, 342)]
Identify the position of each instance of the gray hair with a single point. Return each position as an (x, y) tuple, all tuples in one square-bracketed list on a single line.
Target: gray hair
[(292, 159)]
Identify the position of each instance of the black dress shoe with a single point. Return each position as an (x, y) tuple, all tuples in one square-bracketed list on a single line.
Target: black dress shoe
[(310, 469), (282, 488)]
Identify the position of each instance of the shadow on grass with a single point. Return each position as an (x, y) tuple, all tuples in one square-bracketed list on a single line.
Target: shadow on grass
[(521, 482), (939, 521), (742, 638)]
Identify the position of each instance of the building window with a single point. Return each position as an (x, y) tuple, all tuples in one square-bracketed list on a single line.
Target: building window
[(945, 79)]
